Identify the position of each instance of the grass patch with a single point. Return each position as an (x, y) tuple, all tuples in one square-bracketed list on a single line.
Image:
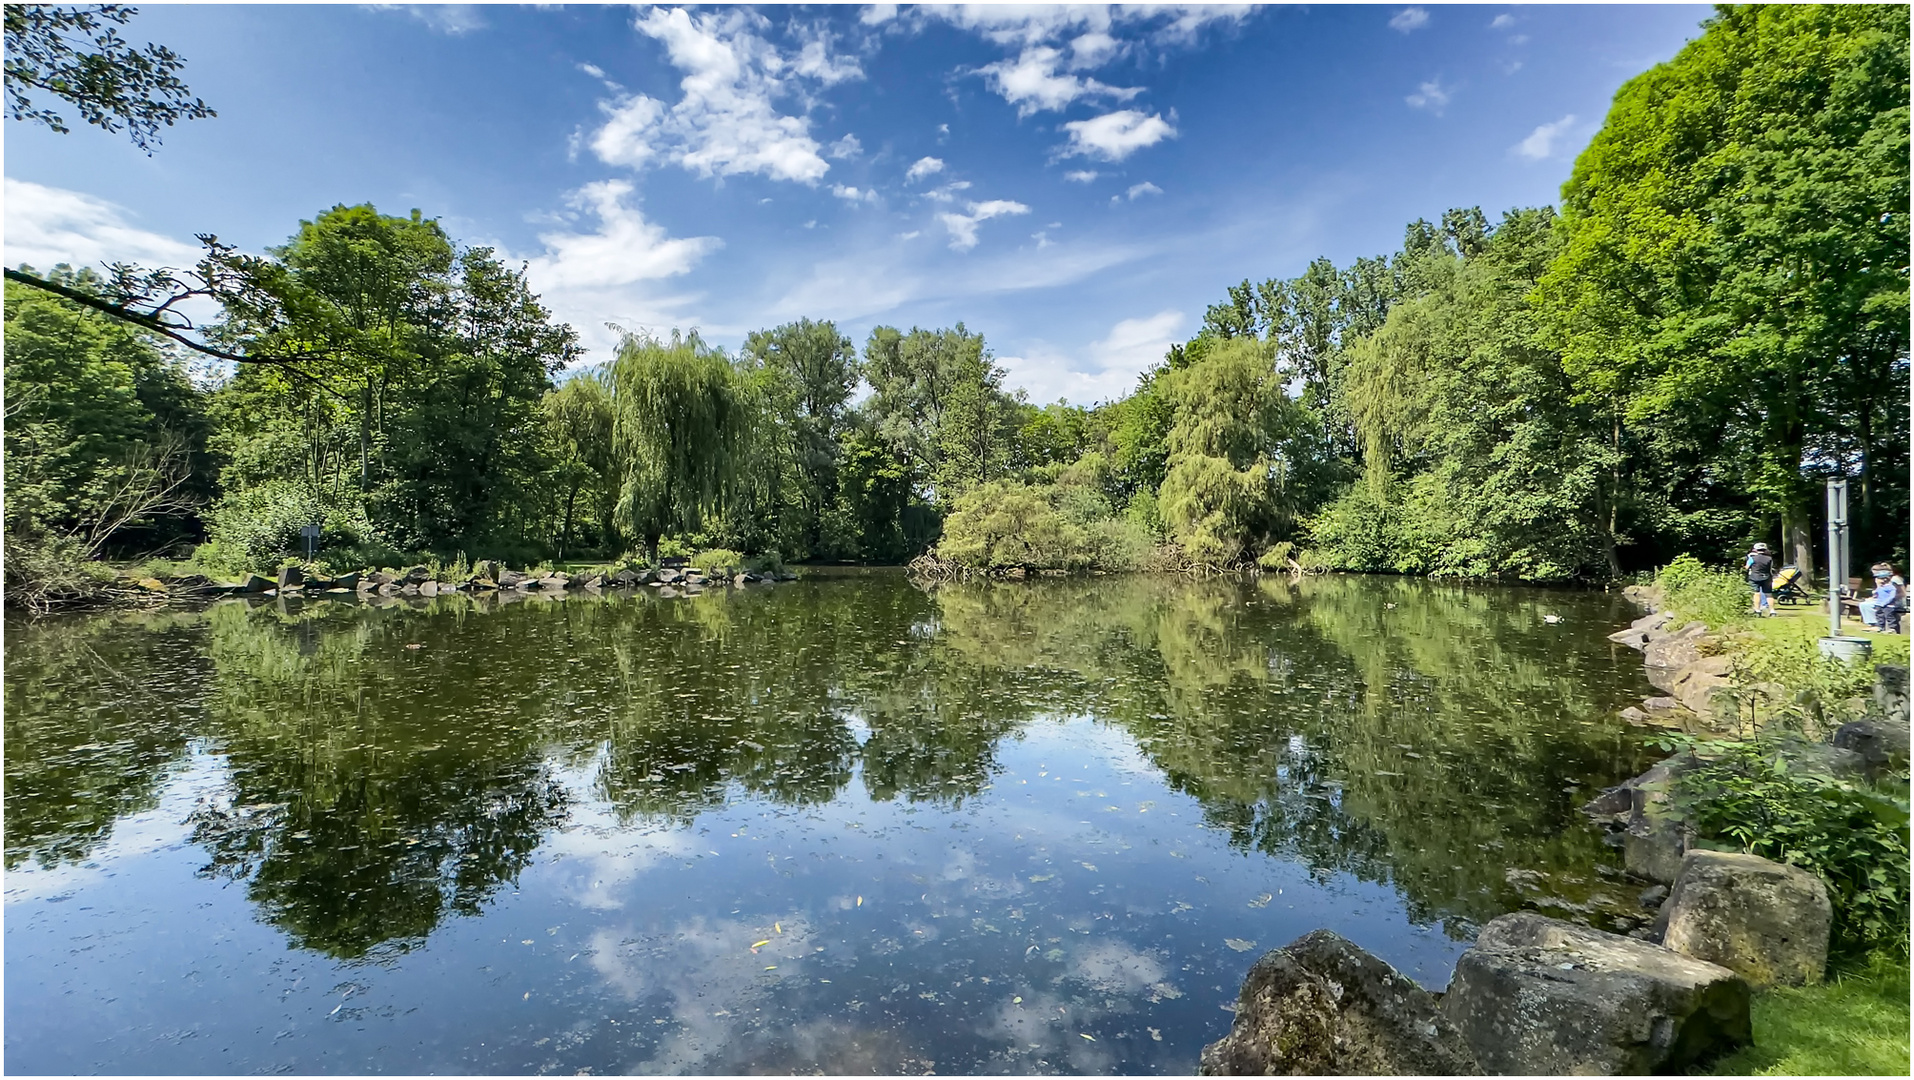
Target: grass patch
[(1855, 1024)]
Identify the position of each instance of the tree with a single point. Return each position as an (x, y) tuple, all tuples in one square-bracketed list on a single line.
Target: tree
[(681, 425), (911, 377), (809, 372), (77, 55), (578, 426), (1737, 249), (1229, 453)]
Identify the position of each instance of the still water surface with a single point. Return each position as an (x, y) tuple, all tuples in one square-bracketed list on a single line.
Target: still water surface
[(846, 825)]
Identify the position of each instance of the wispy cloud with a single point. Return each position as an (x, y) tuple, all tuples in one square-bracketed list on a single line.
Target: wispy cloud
[(853, 194), (963, 227), (727, 122), (1502, 22), (1101, 371), (1033, 82), (454, 19), (1431, 95), (1115, 136), (845, 148), (48, 225), (922, 167), (1145, 188), (1081, 176), (1540, 143), (625, 249), (1409, 20)]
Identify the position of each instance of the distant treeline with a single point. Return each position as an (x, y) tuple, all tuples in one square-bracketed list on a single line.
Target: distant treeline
[(1715, 320)]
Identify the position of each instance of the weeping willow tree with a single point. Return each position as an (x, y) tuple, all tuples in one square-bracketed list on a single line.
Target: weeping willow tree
[(682, 417), (1229, 457)]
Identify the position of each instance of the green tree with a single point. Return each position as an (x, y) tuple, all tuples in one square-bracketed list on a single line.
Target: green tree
[(1737, 248), (578, 427), (682, 423), (76, 54), (810, 371)]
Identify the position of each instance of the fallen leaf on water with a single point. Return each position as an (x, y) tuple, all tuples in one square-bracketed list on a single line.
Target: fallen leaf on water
[(1239, 944), (772, 967), (1041, 877), (1018, 1000), (1261, 901), (777, 928), (755, 944), (860, 901), (1089, 866), (1081, 1035)]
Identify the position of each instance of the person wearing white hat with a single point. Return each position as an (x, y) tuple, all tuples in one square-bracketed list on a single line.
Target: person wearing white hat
[(1760, 568)]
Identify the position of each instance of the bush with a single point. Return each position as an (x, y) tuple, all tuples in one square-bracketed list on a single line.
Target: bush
[(47, 572), (255, 528), (719, 562), (1716, 597), (1854, 838), (1045, 526)]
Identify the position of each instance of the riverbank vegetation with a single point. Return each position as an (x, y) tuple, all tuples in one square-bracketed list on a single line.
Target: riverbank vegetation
[(1714, 320)]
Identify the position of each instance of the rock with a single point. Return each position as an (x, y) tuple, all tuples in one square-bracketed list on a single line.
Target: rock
[(1654, 620), (429, 588), (1676, 650), (484, 583), (555, 580), (417, 575), (596, 581), (740, 579), (1652, 897), (1634, 639), (625, 579), (1322, 1006), (487, 568), (1890, 693), (669, 576), (409, 589), (1880, 744), (346, 581), (1766, 922), (390, 588), (253, 583), (1541, 996), (291, 577), (1660, 704), (1805, 758), (1646, 596), (1702, 687), (526, 583), (693, 577)]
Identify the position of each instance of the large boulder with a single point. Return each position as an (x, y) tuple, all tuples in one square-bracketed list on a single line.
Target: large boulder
[(1320, 1006), (1704, 688), (1541, 996), (1766, 922), (1643, 630), (417, 575), (509, 579), (291, 577), (1881, 745), (1676, 650)]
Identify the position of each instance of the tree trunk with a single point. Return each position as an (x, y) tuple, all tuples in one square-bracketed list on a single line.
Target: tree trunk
[(1796, 535)]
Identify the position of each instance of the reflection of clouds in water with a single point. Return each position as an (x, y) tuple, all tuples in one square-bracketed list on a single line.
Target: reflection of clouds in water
[(1115, 968), (201, 780), (707, 972), (594, 858)]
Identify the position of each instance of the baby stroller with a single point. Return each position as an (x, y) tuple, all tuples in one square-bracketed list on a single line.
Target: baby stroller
[(1789, 588)]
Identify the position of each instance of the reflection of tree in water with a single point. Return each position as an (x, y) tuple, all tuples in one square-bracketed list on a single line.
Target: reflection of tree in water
[(360, 811), (392, 765), (94, 725)]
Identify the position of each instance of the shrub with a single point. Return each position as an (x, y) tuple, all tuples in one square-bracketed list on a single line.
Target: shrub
[(719, 562), (1045, 526), (1854, 838), (257, 527), (47, 572), (1716, 597)]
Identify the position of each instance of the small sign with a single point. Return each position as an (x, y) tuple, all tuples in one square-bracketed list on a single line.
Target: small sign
[(310, 532)]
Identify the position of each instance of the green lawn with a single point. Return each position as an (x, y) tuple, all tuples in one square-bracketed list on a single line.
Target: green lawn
[(1855, 1024)]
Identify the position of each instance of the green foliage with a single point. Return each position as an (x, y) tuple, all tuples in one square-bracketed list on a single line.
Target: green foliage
[(1719, 598), (1734, 274), (1060, 524), (719, 562), (1854, 838), (683, 418), (77, 55)]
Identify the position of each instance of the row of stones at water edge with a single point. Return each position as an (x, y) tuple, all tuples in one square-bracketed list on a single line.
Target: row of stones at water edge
[(1694, 669), (1541, 996), (485, 577)]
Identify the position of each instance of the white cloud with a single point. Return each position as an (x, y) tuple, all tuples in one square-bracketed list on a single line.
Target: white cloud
[(726, 122), (1081, 176), (1115, 136), (852, 194), (1145, 188), (1502, 22), (454, 19), (1033, 82), (1102, 371), (1540, 143), (948, 192), (963, 227), (845, 148), (46, 226), (593, 70), (1409, 19), (922, 167), (625, 249), (1431, 96), (878, 14)]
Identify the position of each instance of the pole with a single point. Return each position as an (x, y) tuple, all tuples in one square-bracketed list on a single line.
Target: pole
[(1837, 551)]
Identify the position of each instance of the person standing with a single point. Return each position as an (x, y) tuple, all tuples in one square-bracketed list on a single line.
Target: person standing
[(1760, 568), (1882, 610)]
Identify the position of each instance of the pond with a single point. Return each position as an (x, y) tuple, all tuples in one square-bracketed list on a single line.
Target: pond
[(846, 825)]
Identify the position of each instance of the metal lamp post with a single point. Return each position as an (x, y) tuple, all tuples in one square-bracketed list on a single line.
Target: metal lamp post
[(1851, 649)]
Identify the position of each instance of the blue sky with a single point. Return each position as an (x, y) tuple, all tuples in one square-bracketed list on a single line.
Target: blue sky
[(1077, 183)]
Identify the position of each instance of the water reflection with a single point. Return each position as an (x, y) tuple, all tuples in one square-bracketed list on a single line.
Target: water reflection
[(384, 767)]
